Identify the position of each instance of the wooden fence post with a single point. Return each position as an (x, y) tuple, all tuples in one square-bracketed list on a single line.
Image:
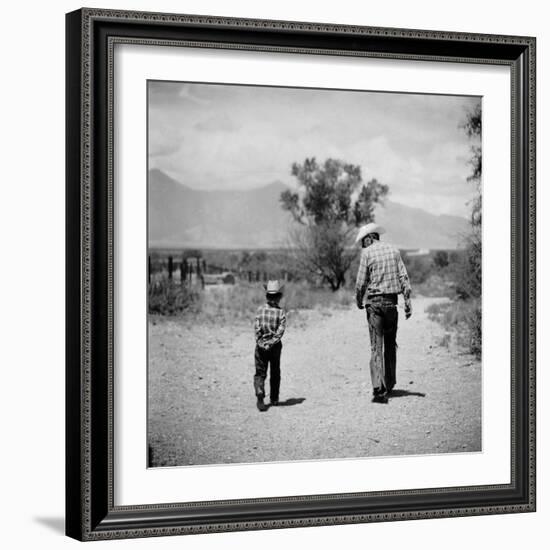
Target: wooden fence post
[(183, 271), (170, 266), (149, 269)]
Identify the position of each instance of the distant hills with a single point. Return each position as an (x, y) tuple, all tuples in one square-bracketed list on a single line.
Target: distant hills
[(180, 216), (409, 227)]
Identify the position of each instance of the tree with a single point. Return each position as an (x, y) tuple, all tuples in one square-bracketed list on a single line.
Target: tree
[(471, 281), (469, 284), (322, 251), (441, 259), (370, 195), (472, 126), (330, 202)]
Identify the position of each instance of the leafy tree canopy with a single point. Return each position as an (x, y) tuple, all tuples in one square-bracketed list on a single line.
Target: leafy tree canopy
[(332, 192), (472, 126)]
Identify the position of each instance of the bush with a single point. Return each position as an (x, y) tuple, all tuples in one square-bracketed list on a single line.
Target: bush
[(167, 297), (468, 288), (462, 317), (441, 259), (419, 268), (468, 269), (473, 321)]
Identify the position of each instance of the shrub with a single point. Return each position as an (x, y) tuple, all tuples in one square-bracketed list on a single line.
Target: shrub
[(473, 320), (419, 268), (462, 317), (468, 288), (167, 297), (441, 259), (468, 269)]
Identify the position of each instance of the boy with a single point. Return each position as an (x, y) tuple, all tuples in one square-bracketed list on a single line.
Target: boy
[(269, 327)]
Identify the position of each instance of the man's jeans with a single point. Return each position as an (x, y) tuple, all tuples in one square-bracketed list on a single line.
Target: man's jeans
[(382, 321), (262, 359)]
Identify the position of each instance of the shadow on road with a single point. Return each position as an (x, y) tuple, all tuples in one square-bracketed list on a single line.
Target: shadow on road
[(406, 393), (291, 401)]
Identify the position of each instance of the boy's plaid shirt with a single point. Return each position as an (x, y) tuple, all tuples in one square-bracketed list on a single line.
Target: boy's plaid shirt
[(269, 325), (381, 271)]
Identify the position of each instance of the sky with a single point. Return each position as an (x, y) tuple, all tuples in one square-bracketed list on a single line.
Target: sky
[(214, 136)]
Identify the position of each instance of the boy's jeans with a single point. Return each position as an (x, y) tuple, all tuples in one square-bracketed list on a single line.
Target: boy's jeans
[(382, 321), (262, 359)]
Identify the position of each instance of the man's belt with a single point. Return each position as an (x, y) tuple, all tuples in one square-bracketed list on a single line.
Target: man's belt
[(390, 297)]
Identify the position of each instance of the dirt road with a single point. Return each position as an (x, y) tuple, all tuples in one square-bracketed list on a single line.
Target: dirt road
[(202, 405)]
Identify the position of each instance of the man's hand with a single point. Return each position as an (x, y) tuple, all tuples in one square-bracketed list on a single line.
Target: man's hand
[(408, 309), (360, 305)]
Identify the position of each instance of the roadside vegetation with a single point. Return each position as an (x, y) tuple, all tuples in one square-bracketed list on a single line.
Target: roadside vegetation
[(463, 315), (236, 303)]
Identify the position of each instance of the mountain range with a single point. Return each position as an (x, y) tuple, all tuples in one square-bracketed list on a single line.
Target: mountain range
[(181, 216)]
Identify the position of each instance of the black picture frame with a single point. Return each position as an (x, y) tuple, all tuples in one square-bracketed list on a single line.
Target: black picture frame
[(90, 510)]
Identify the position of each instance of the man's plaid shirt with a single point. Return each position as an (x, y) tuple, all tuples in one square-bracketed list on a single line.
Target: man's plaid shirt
[(381, 271), (269, 325)]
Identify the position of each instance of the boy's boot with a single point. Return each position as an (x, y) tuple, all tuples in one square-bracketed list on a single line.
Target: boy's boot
[(260, 404), (260, 393)]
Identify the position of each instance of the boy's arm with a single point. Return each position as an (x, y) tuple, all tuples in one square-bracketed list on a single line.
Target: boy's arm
[(276, 338), (257, 327), (282, 327)]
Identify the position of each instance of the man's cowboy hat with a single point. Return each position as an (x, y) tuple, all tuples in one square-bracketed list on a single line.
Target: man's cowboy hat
[(274, 287), (367, 230)]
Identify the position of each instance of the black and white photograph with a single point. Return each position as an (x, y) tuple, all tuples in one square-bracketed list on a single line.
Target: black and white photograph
[(271, 275), (314, 274)]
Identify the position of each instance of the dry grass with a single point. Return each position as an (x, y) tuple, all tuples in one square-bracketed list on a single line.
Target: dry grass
[(463, 318), (435, 286), (168, 297), (240, 301)]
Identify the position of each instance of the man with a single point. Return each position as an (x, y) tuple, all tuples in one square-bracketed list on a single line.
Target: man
[(381, 277)]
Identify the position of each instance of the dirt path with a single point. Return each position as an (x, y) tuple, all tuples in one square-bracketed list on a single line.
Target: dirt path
[(202, 406)]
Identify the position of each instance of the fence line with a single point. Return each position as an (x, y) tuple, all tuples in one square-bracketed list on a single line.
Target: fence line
[(195, 268)]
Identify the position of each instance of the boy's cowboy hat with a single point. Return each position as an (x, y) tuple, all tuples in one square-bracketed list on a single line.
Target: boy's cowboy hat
[(274, 287), (367, 230)]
